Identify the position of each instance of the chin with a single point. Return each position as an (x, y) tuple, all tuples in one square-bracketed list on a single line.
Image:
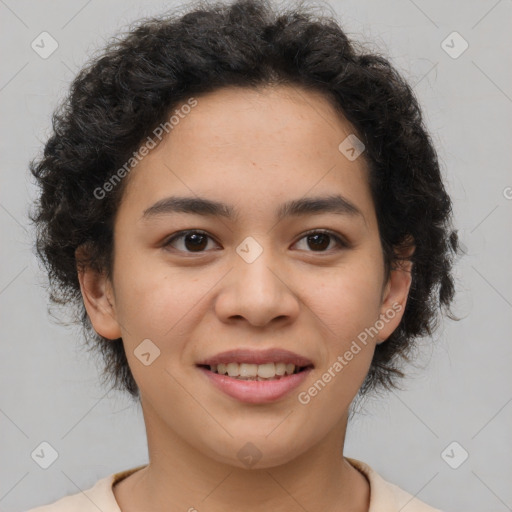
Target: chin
[(258, 451)]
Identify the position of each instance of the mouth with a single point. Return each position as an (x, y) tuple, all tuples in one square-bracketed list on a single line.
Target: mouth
[(256, 376), (255, 372)]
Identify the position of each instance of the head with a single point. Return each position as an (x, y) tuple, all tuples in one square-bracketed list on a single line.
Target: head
[(259, 112)]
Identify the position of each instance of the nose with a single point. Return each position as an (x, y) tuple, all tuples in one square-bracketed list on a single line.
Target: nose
[(260, 293)]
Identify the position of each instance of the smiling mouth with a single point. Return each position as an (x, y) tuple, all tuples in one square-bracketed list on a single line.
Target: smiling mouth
[(255, 372)]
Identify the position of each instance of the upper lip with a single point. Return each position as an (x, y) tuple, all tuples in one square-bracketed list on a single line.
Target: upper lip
[(273, 355)]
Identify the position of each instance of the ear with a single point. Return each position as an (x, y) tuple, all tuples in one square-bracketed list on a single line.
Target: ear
[(98, 297), (395, 293)]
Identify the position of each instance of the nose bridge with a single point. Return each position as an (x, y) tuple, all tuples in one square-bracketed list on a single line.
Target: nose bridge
[(256, 291), (254, 266)]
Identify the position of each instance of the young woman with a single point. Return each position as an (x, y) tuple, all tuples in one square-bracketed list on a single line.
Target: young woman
[(249, 214)]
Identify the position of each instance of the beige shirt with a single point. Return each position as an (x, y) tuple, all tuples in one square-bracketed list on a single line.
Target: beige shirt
[(384, 496)]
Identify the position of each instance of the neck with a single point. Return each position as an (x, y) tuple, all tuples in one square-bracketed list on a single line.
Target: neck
[(178, 474)]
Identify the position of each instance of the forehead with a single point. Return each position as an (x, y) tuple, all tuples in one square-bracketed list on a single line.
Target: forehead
[(281, 118), (253, 146)]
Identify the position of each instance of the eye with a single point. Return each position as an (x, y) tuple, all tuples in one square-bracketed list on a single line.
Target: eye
[(320, 240), (196, 241), (193, 240)]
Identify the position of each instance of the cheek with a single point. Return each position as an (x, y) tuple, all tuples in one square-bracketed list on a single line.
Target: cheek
[(347, 301), (152, 298), (347, 307)]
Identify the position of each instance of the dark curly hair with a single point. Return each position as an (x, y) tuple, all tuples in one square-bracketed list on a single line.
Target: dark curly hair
[(120, 97)]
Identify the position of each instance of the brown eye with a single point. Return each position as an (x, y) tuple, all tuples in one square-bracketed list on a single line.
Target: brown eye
[(319, 241), (192, 241)]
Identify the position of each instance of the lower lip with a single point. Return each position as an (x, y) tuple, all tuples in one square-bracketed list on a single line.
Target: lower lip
[(256, 391)]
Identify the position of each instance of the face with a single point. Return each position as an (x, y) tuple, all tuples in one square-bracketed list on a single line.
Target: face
[(190, 284)]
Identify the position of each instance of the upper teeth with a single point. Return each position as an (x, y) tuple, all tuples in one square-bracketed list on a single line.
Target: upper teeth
[(266, 371)]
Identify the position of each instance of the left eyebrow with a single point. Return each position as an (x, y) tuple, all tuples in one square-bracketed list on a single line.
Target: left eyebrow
[(209, 208)]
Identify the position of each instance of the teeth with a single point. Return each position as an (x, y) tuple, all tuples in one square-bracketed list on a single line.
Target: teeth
[(280, 368), (233, 369), (254, 371), (248, 370), (267, 371)]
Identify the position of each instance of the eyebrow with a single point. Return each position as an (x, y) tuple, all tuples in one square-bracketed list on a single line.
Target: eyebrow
[(209, 208)]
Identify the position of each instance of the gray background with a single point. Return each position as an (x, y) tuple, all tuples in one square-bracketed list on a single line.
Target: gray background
[(50, 388)]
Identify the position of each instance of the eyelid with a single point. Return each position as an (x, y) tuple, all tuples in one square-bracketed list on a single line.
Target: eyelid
[(180, 234), (341, 241)]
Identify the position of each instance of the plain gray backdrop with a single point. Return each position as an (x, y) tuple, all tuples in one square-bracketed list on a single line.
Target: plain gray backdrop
[(50, 389)]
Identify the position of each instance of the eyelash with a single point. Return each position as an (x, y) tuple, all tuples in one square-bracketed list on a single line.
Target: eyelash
[(342, 244)]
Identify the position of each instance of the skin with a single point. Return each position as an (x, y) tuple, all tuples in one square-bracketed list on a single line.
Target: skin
[(253, 149)]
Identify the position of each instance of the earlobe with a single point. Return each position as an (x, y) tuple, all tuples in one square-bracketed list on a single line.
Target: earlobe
[(98, 297)]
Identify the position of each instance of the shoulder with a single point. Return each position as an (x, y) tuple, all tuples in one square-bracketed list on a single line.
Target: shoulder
[(388, 497), (409, 503), (98, 497)]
